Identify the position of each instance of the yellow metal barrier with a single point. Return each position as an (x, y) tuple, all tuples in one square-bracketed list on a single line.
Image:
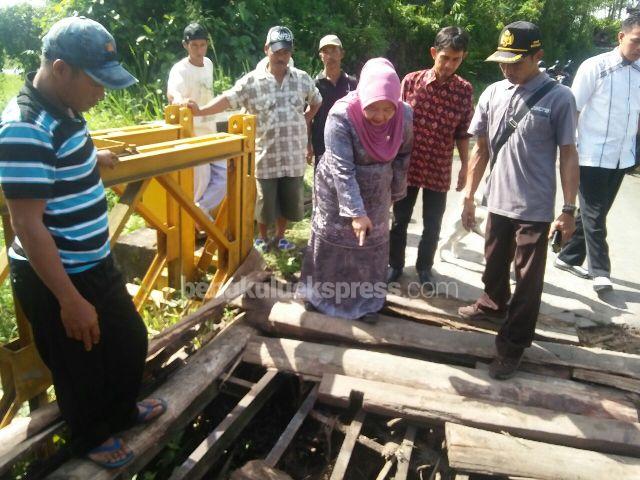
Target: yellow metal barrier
[(154, 178)]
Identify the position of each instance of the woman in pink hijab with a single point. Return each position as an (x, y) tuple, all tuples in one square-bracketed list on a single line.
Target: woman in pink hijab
[(368, 138)]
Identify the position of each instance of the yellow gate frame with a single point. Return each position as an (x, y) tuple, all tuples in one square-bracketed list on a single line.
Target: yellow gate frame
[(154, 178)]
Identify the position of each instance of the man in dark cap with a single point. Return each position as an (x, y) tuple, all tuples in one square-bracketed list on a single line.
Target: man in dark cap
[(85, 325), (191, 79), (284, 99), (519, 124)]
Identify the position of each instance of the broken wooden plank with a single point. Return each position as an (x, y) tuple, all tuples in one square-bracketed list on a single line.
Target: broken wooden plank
[(292, 319), (421, 405), (404, 459), (616, 381), (342, 462), (333, 422), (208, 452), (473, 450), (187, 392), (444, 311), (296, 422), (23, 428), (318, 359), (24, 448)]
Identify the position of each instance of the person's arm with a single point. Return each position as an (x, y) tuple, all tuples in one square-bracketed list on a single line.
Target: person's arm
[(462, 137), (217, 105), (462, 144), (309, 113), (475, 171), (569, 179), (341, 163), (401, 162), (175, 85), (78, 316)]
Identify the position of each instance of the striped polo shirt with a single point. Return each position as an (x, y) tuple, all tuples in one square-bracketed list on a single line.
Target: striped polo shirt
[(46, 154)]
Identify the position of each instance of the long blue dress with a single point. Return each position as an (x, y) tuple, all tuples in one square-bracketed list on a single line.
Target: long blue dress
[(339, 277)]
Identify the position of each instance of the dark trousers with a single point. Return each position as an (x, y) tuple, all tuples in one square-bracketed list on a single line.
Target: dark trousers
[(96, 390), (525, 244), (598, 190), (433, 206)]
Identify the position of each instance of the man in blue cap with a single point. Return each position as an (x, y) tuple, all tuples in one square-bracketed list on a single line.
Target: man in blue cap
[(85, 325)]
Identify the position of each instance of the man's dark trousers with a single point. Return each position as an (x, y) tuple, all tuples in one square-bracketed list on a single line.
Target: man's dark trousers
[(598, 190), (524, 243), (96, 390), (433, 207)]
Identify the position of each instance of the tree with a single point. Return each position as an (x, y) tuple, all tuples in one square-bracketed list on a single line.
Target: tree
[(20, 34)]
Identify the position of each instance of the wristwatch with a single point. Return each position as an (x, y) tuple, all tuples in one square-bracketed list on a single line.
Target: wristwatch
[(570, 209)]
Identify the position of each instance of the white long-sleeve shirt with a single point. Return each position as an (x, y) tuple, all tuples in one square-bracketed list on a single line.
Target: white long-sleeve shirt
[(607, 92)]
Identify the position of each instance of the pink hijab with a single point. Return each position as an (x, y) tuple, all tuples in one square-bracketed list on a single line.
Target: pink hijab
[(378, 81)]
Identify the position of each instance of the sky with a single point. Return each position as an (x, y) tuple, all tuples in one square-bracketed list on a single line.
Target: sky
[(8, 3)]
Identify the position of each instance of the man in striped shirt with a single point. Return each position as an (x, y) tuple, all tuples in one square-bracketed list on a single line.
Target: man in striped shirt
[(85, 325)]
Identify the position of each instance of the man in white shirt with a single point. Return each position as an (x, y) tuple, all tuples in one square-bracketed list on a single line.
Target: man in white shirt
[(607, 92), (191, 79)]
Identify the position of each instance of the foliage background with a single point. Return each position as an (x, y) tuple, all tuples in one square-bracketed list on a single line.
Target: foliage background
[(149, 32)]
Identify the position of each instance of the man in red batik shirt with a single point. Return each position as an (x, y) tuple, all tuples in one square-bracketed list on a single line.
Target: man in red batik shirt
[(442, 105)]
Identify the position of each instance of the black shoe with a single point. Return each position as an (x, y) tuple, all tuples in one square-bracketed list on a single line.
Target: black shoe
[(393, 274), (369, 318), (427, 280), (309, 307), (503, 367)]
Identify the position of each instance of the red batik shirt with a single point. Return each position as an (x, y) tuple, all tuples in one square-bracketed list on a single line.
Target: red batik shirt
[(441, 115)]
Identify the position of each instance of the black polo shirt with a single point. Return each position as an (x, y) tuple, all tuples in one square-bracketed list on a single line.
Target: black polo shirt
[(330, 94)]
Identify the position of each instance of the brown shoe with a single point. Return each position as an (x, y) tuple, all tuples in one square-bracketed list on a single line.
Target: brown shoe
[(474, 312), (503, 367)]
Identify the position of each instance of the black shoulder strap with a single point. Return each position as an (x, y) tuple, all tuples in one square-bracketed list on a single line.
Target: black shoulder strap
[(512, 123)]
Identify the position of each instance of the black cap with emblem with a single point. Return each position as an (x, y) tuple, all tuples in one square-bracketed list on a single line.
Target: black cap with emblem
[(517, 40)]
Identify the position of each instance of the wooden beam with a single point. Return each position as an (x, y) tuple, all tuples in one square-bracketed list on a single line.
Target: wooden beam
[(23, 428), (334, 422), (386, 468), (120, 213), (292, 428), (26, 447), (342, 462), (616, 381), (422, 405), (444, 311), (292, 319), (208, 452), (187, 392), (473, 450), (406, 449), (318, 359)]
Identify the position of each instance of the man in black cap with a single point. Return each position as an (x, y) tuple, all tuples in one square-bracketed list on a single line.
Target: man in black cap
[(85, 325), (191, 79), (284, 99), (519, 123)]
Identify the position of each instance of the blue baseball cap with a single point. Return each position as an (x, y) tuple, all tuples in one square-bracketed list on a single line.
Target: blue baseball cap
[(86, 44)]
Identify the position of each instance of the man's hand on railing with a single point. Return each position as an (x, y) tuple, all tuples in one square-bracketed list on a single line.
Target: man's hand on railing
[(108, 159)]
